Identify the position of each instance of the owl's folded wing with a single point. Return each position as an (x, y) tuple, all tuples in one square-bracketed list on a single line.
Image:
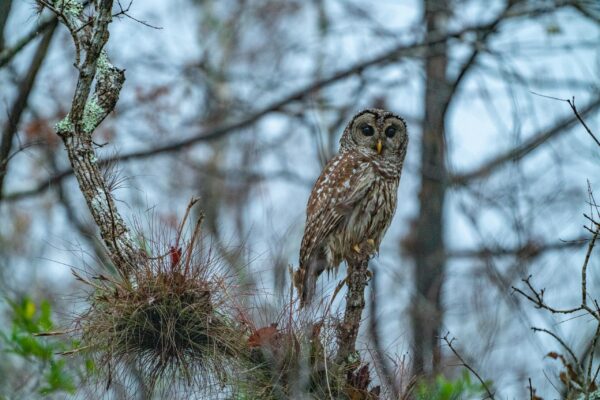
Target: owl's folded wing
[(344, 181)]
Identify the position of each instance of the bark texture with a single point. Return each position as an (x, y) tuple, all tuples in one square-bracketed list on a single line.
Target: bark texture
[(76, 129), (347, 332)]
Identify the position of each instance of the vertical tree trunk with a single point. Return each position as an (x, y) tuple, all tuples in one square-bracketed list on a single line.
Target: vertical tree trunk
[(428, 230)]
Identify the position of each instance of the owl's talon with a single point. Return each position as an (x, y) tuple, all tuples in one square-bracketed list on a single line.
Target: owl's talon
[(371, 248), (356, 248)]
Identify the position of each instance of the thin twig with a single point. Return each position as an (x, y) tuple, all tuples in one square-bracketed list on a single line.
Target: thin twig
[(562, 343), (585, 265), (571, 103), (537, 298), (588, 375), (467, 366), (67, 23), (125, 12), (530, 390), (534, 142)]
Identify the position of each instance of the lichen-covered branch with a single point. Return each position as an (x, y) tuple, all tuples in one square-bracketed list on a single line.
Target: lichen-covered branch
[(76, 129)]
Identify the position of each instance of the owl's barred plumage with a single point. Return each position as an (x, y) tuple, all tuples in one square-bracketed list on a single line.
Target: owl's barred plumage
[(354, 198)]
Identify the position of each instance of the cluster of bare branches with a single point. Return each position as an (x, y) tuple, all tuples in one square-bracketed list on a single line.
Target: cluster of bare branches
[(580, 375)]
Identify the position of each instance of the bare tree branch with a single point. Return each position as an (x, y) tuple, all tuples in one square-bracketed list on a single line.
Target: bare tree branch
[(571, 103), (8, 53), (449, 342), (562, 343), (527, 250), (20, 104), (480, 43), (230, 128), (537, 296), (525, 148)]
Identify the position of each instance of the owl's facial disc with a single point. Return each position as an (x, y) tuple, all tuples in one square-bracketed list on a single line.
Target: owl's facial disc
[(376, 132)]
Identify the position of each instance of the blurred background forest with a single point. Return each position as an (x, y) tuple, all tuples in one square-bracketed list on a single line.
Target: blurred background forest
[(241, 102)]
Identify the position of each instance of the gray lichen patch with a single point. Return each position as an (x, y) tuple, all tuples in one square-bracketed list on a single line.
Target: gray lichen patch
[(92, 115), (69, 8), (64, 125), (98, 202), (103, 65)]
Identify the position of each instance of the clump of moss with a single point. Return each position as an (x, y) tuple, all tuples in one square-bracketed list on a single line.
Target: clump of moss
[(171, 318)]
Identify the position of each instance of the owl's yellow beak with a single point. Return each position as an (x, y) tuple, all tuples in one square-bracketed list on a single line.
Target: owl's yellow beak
[(379, 146)]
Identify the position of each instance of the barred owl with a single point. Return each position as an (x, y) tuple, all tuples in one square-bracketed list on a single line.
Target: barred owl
[(354, 199)]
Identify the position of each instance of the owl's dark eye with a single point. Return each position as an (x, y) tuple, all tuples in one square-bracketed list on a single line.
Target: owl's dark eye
[(390, 131), (367, 130)]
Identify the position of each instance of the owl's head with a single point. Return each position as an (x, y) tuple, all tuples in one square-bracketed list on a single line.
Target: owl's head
[(377, 133)]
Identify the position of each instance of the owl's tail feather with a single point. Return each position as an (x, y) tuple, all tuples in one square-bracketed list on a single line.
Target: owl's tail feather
[(305, 284), (305, 280)]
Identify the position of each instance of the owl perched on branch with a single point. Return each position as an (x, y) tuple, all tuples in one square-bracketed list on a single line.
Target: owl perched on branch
[(353, 201)]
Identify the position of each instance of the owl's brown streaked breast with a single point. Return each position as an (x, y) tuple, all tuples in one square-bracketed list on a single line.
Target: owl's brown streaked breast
[(370, 219)]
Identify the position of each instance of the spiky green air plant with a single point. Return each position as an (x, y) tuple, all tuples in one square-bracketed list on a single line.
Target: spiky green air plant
[(172, 318)]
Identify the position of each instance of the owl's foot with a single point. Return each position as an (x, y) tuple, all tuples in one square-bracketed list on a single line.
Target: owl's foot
[(371, 244), (370, 247)]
